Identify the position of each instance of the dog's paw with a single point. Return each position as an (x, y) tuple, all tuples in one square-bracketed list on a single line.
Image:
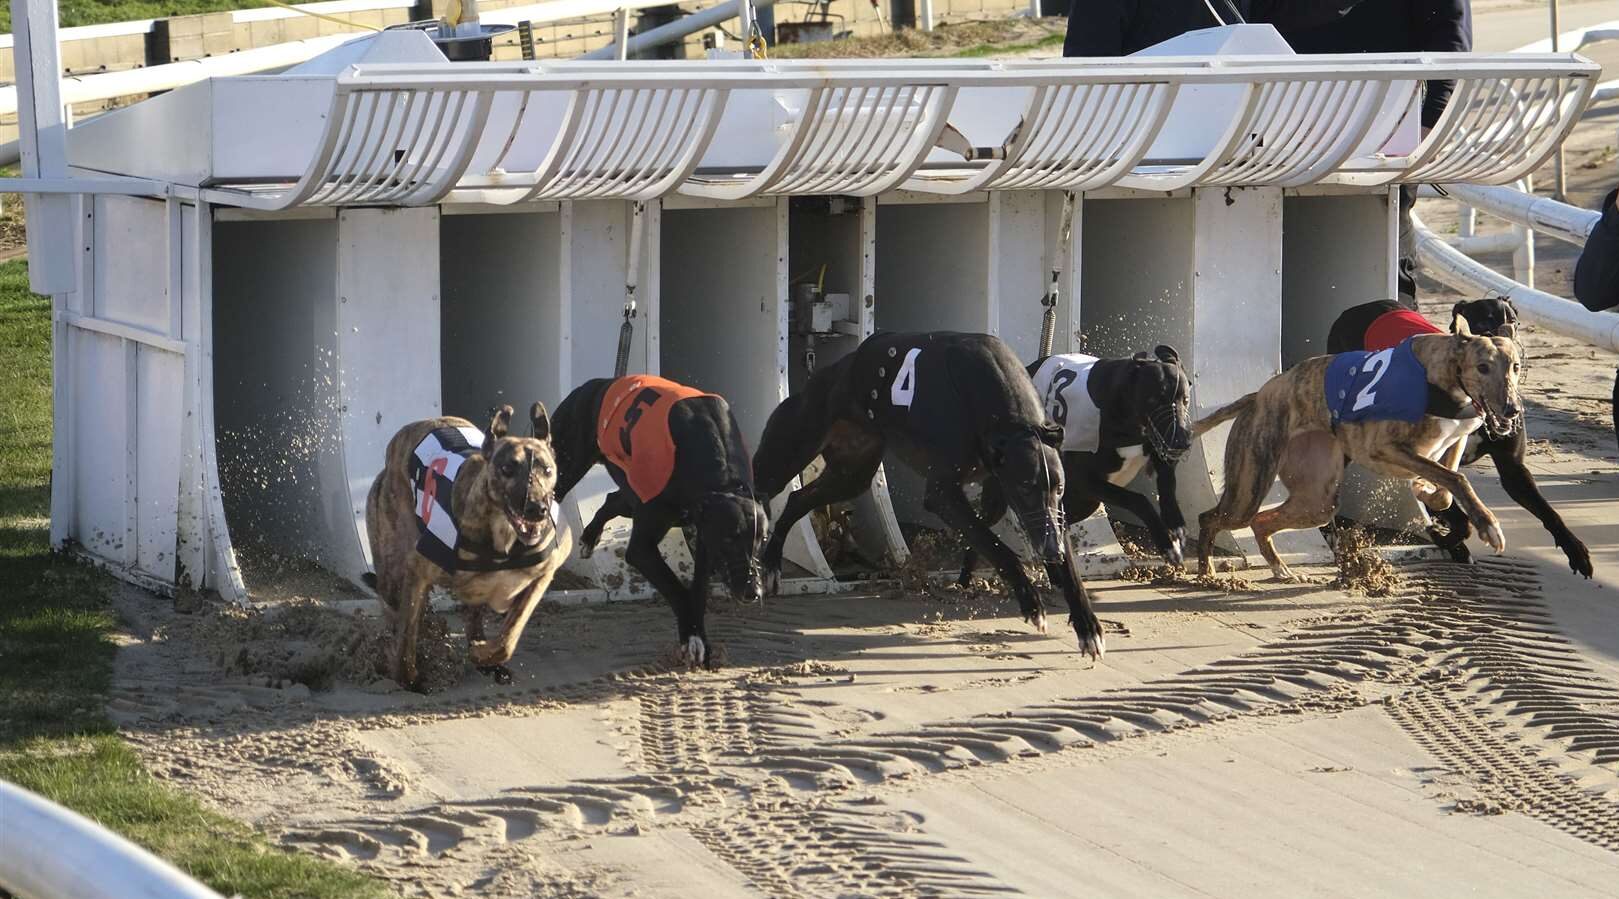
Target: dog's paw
[(1579, 558), (1175, 552), (500, 674), (586, 550), (694, 653), (1494, 537), (770, 578), (1037, 619), (1092, 644)]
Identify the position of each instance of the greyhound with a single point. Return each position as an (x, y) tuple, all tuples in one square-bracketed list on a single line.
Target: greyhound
[(1369, 408), (958, 408), (677, 457), (472, 511), (1117, 416), (1383, 324)]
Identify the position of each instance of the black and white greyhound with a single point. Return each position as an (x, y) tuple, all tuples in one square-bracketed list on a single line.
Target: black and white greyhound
[(1118, 416), (1381, 324), (678, 458), (959, 409)]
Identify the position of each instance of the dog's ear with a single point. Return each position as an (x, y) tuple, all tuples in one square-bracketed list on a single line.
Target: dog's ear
[(1141, 357), (1166, 353), (1460, 327), (539, 421), (500, 421), (1457, 316)]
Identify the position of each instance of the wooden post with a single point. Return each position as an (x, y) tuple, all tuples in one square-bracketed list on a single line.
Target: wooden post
[(42, 140)]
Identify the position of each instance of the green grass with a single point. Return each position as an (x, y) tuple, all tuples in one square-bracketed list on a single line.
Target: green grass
[(56, 662), (1050, 40), (94, 12)]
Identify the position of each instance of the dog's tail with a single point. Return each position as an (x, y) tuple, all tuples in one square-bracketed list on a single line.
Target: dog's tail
[(1222, 415)]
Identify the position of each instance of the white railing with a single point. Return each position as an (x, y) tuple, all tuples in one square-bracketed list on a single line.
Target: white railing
[(412, 134), (1451, 267), (49, 852), (261, 14)]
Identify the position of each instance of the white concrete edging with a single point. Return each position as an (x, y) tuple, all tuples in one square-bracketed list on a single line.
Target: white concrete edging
[(50, 852)]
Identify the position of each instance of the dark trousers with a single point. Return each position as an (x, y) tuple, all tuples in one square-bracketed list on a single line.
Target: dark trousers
[(1408, 248)]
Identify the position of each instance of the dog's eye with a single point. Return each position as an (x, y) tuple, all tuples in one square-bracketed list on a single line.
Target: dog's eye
[(508, 468), (1484, 369)]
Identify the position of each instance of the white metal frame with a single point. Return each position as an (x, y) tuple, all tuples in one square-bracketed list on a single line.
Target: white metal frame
[(421, 134)]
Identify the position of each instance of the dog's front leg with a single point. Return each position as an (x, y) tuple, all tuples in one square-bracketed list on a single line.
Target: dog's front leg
[(407, 623), (992, 508), (651, 524), (945, 499), (1169, 505), (1136, 505), (1520, 484), (1087, 627), (1483, 519)]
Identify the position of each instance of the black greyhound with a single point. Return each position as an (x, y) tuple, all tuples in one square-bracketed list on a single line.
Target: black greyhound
[(958, 408), (1384, 323), (677, 457), (1117, 416)]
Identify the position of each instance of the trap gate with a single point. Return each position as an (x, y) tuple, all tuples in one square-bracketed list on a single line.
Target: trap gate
[(263, 277)]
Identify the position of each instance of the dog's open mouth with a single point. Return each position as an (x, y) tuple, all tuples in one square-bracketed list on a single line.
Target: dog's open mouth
[(529, 530), (1496, 426)]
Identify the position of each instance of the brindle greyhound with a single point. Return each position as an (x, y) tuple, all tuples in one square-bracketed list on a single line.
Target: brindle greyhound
[(1382, 324), (677, 457), (1293, 426), (1117, 415), (468, 511), (958, 408)]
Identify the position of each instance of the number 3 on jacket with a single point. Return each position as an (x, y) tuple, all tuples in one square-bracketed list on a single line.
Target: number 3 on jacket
[(903, 389)]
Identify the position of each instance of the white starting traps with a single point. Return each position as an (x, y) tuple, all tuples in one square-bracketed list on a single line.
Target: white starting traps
[(274, 273)]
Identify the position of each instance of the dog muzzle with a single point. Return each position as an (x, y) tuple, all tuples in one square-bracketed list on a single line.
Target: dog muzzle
[(1046, 532), (1169, 433)]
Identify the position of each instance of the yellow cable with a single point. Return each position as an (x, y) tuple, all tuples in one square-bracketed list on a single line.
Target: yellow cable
[(317, 15)]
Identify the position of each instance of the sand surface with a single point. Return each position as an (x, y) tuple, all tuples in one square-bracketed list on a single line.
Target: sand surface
[(1459, 736)]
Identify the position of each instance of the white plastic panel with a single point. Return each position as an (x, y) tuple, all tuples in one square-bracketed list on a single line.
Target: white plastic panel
[(131, 279), (158, 415), (101, 414), (387, 324)]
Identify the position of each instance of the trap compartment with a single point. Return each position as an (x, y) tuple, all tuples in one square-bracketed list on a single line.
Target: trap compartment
[(326, 342), (723, 321), (973, 263), (840, 234), (1341, 250), (1200, 270)]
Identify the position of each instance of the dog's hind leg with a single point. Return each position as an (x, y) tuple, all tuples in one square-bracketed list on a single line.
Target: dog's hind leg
[(407, 623), (1312, 468), (991, 508), (1251, 458), (852, 458), (945, 499), (614, 505), (1520, 484)]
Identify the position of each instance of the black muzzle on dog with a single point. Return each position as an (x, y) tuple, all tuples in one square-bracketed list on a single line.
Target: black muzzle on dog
[(1169, 432), (1046, 533)]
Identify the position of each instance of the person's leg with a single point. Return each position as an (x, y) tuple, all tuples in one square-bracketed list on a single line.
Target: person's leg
[(1408, 248)]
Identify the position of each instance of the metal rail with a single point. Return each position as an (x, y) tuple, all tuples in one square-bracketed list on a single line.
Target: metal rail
[(53, 853)]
